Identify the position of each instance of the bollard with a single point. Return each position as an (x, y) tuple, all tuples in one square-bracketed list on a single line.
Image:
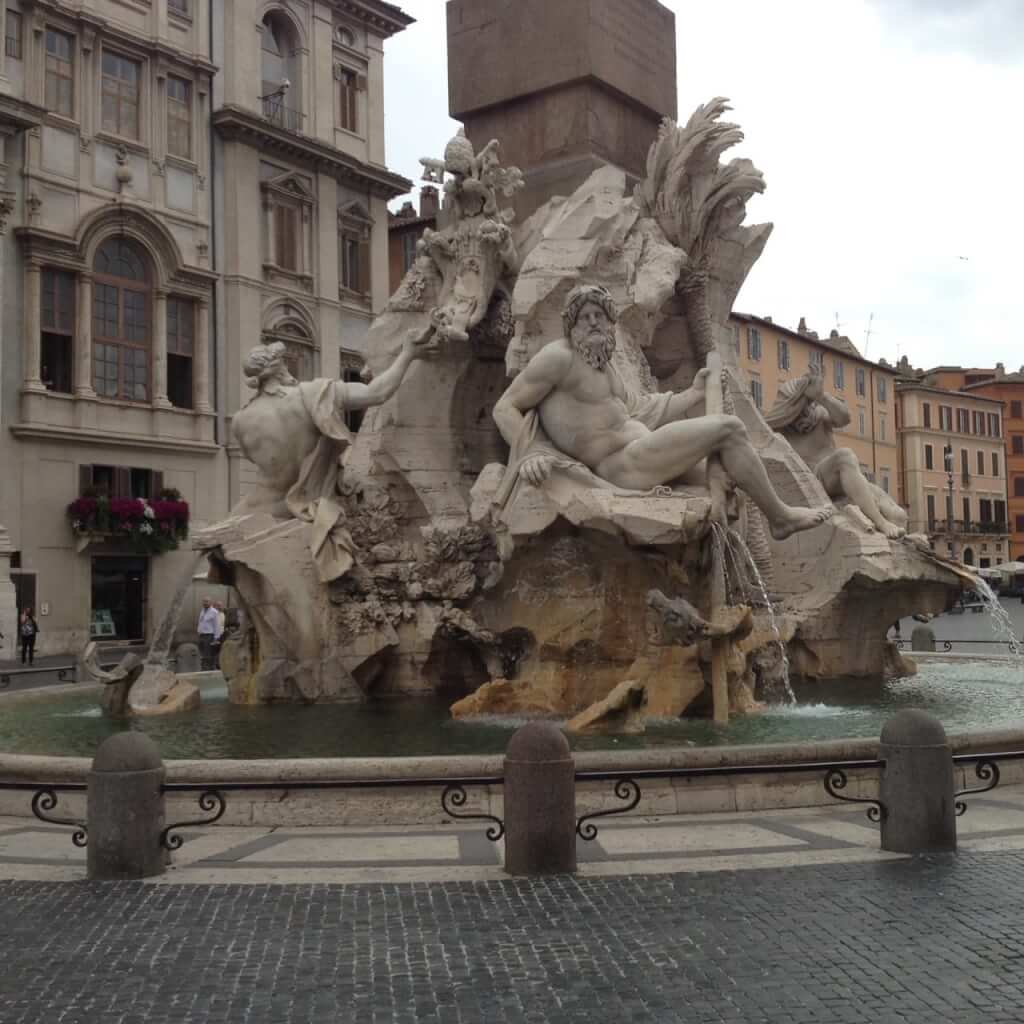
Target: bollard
[(922, 639), (917, 785), (540, 802), (126, 809)]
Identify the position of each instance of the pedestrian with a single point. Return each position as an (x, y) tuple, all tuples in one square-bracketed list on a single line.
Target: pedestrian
[(218, 637), (207, 630), (27, 630)]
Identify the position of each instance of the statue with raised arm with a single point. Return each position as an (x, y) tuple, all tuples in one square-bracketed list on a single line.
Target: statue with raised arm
[(807, 417), (571, 406), (296, 435)]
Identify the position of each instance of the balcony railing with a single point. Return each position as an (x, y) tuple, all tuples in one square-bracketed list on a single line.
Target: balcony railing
[(277, 113), (961, 526)]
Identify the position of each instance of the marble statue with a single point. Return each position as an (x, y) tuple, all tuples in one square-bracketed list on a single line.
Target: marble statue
[(807, 416), (476, 250), (570, 403), (295, 433)]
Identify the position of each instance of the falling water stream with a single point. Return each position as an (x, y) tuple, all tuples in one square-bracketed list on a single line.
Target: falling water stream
[(1001, 624), (723, 542)]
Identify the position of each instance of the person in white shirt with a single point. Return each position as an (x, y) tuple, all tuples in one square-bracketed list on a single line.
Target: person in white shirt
[(209, 623)]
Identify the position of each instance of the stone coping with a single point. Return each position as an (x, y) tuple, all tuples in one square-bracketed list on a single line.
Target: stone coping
[(54, 769)]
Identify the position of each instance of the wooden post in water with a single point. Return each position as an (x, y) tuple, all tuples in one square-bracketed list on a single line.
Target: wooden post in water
[(715, 405)]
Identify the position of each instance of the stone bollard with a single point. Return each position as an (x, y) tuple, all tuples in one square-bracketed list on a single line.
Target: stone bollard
[(917, 785), (540, 802), (186, 659), (126, 809), (922, 639)]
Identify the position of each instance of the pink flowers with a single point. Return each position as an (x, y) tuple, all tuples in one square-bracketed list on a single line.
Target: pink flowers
[(147, 526)]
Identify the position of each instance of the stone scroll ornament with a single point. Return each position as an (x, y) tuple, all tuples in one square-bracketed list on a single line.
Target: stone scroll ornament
[(475, 251)]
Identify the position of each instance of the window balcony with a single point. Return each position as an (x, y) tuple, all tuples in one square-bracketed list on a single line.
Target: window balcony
[(278, 114)]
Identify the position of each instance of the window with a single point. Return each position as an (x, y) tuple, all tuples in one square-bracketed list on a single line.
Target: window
[(993, 424), (861, 381), (839, 374), (930, 500), (179, 117), (1000, 516), (354, 417), (754, 344), (860, 421), (286, 237), (967, 511), (885, 478), (121, 322), (409, 242), (178, 6), (946, 418), (350, 85), (981, 463), (816, 359), (978, 423), (883, 389), (1017, 444), (345, 36), (929, 457), (60, 73), (965, 465), (1020, 525), (962, 425), (279, 63), (12, 37), (783, 354), (756, 392), (121, 481), (58, 325), (121, 78), (926, 412), (1018, 486), (881, 426), (995, 464), (181, 330), (736, 337), (354, 226), (1015, 412), (985, 510)]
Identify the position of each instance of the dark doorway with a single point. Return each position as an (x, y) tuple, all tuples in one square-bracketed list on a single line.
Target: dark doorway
[(119, 594)]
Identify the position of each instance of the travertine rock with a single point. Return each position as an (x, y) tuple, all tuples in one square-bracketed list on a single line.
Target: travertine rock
[(622, 711), (182, 696), (117, 683)]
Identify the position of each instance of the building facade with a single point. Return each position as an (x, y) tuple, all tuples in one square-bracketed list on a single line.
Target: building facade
[(770, 355), (179, 180), (405, 229), (953, 480)]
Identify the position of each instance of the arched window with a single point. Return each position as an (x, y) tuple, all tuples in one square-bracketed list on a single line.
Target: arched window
[(121, 321), (279, 62), (300, 352), (968, 556)]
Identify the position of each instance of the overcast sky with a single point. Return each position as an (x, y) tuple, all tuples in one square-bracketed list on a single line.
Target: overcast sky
[(890, 135)]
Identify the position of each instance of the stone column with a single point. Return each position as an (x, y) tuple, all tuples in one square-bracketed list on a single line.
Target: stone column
[(540, 802), (8, 601), (125, 809), (32, 346), (201, 358), (83, 338), (917, 785), (160, 399)]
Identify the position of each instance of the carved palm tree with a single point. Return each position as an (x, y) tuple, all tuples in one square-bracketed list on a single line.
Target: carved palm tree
[(700, 203)]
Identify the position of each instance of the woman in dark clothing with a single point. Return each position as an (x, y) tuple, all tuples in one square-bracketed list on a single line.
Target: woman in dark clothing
[(27, 629)]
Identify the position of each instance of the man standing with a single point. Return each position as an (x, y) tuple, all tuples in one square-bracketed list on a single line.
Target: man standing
[(632, 442), (207, 630)]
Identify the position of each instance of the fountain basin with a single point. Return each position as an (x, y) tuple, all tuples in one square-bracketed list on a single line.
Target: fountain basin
[(962, 694)]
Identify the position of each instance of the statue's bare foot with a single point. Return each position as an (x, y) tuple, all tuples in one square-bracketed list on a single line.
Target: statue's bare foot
[(892, 531), (793, 520)]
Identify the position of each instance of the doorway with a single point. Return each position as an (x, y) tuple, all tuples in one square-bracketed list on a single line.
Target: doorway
[(119, 595)]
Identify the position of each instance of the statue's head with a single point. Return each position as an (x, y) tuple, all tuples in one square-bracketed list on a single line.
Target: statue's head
[(589, 323), (265, 363)]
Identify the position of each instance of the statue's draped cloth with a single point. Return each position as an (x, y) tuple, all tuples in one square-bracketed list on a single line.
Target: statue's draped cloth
[(314, 497)]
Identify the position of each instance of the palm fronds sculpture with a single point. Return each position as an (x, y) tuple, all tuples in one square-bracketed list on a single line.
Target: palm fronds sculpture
[(700, 203)]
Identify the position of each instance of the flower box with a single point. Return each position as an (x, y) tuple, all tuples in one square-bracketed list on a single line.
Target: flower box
[(146, 527)]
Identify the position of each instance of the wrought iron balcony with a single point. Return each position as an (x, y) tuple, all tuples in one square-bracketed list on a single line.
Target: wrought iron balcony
[(278, 114), (964, 527)]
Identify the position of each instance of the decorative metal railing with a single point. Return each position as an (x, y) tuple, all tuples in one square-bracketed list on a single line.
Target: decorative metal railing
[(947, 645), (277, 113), (986, 768), (45, 798)]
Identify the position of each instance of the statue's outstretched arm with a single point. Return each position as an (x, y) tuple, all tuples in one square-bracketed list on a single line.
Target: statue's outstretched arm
[(384, 385), (838, 411)]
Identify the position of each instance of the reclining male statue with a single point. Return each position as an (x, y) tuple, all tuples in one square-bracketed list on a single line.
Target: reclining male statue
[(806, 417), (296, 435), (572, 393)]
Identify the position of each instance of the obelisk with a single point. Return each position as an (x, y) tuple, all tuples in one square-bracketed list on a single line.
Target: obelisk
[(565, 85)]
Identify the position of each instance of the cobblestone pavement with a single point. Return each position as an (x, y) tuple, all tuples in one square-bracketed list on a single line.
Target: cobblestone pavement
[(909, 940)]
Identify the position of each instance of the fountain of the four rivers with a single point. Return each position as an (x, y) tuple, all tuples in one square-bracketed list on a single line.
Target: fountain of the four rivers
[(562, 500)]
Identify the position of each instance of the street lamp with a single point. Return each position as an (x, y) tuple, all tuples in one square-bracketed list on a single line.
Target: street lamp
[(947, 455)]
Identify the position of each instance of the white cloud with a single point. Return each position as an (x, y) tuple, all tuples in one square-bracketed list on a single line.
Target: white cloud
[(889, 134)]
